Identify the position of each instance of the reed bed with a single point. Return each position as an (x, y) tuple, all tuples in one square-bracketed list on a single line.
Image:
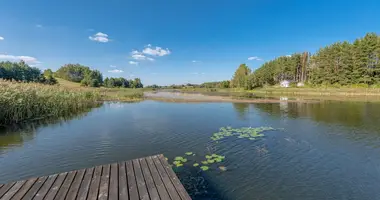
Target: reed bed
[(29, 101)]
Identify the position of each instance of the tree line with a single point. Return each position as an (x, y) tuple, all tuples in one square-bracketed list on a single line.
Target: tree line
[(22, 72), (339, 64), (94, 78)]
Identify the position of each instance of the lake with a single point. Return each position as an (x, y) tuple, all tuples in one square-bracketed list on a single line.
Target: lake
[(326, 150)]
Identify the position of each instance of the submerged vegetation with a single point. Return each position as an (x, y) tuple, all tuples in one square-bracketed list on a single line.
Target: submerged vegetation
[(29, 101), (213, 159)]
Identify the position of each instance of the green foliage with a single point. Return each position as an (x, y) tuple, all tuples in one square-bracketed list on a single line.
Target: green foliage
[(240, 77), (195, 164), (122, 82), (189, 153), (24, 73), (204, 168), (336, 65), (244, 132), (73, 72), (92, 79), (27, 101)]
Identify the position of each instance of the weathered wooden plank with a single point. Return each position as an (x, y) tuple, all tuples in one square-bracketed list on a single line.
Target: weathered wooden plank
[(55, 187), (1, 185), (94, 187), (34, 189), (104, 183), (157, 179), (62, 192), (24, 189), (11, 192), (132, 185), (73, 191), (85, 186), (152, 190), (176, 182), (141, 186), (165, 178), (114, 180), (46, 187), (5, 188), (123, 185)]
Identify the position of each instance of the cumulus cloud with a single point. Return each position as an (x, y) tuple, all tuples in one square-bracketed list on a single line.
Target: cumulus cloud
[(99, 37), (255, 58), (133, 63), (140, 56), (116, 71), (288, 56), (27, 59), (1, 38), (156, 51)]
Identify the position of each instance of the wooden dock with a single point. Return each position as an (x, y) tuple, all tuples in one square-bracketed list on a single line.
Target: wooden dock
[(149, 178)]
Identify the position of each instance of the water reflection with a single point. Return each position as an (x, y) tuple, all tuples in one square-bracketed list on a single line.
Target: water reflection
[(344, 113), (17, 134), (242, 109)]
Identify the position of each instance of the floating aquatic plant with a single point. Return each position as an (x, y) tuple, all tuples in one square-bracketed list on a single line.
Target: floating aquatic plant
[(204, 168), (189, 153), (195, 164), (244, 132), (204, 162)]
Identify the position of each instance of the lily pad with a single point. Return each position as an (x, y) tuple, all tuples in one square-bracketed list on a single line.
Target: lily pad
[(204, 168), (204, 162), (210, 161), (189, 153), (178, 158), (195, 164)]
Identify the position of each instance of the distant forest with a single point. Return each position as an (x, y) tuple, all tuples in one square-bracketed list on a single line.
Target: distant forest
[(22, 72), (339, 64), (342, 64)]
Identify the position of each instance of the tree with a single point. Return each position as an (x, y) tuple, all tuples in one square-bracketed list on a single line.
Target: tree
[(73, 72), (240, 76)]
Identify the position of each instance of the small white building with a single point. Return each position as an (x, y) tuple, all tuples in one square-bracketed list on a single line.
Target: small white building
[(285, 83)]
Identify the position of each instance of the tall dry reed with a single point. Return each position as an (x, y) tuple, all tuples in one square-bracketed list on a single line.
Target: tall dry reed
[(28, 101)]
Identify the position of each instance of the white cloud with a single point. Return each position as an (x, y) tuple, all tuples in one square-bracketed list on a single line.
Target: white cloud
[(140, 56), (39, 26), (288, 56), (156, 51), (1, 38), (133, 63), (100, 37), (27, 59), (116, 71), (196, 73), (112, 66), (255, 58)]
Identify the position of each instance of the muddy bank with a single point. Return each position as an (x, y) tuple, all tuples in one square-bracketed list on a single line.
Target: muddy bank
[(196, 97)]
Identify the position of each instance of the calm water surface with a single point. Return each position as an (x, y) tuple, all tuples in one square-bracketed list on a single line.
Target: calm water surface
[(327, 150)]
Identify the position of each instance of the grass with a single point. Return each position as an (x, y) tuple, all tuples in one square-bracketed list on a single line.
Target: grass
[(29, 101), (107, 94)]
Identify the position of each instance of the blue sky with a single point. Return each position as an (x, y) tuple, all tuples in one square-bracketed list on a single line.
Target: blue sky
[(166, 42)]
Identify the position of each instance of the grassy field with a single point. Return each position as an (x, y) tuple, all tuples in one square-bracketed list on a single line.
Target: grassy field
[(107, 94)]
